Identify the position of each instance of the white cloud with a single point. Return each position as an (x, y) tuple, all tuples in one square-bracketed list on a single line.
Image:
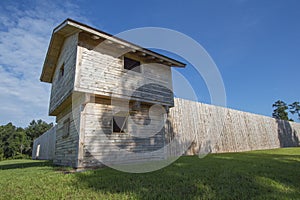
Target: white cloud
[(24, 37)]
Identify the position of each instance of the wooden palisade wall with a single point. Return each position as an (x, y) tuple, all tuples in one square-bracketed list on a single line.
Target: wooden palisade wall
[(46, 143), (228, 130)]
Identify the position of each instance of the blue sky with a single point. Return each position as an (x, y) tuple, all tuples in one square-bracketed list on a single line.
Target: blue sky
[(255, 44)]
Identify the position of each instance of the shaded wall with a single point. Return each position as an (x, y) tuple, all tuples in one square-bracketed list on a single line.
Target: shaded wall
[(63, 77), (46, 143), (221, 129)]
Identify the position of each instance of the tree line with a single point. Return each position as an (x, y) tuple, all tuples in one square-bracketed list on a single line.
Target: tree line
[(17, 142), (281, 110)]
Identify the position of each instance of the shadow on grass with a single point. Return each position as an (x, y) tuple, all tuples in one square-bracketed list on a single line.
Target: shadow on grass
[(23, 164), (217, 176)]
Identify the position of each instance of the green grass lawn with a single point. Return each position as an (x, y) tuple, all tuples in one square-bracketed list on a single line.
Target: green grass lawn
[(271, 174)]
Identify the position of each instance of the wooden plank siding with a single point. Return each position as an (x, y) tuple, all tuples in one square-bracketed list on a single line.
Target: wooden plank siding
[(62, 86), (102, 144), (100, 71), (67, 145)]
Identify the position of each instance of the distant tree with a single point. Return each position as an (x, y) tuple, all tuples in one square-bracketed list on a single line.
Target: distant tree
[(34, 130), (280, 111), (295, 109), (12, 141), (1, 148)]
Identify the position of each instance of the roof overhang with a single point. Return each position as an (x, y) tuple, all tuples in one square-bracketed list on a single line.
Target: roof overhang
[(70, 27)]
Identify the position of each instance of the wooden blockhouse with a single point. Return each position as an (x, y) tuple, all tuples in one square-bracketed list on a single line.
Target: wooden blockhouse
[(105, 92)]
